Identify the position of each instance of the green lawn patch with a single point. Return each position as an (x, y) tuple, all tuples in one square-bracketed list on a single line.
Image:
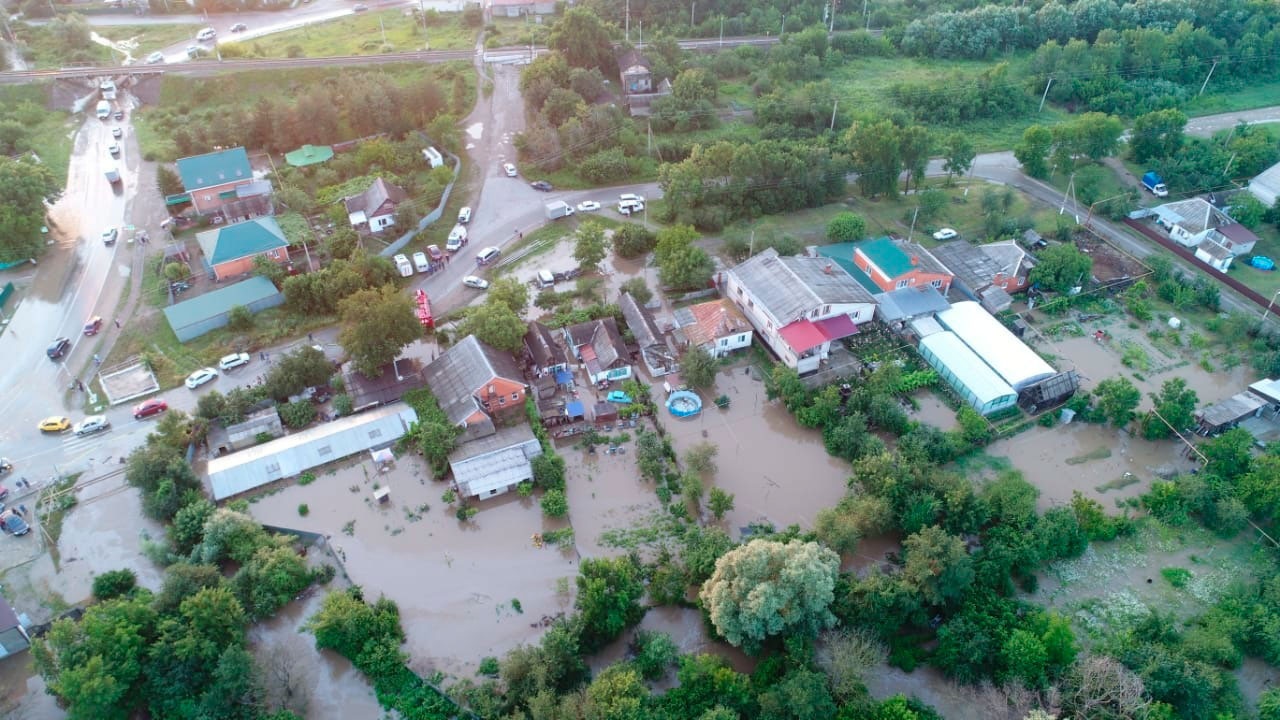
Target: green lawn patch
[(369, 33), (1100, 453), (48, 131), (142, 40), (1254, 95), (1176, 576), (513, 32)]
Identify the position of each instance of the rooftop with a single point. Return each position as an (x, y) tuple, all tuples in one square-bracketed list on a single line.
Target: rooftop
[(791, 287), (215, 168), (1233, 409), (460, 371), (495, 461), (373, 198), (542, 346), (910, 302), (217, 302), (640, 321), (886, 255), (1196, 214), (242, 239), (706, 322)]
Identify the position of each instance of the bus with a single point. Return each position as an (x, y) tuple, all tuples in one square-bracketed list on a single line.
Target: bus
[(104, 109)]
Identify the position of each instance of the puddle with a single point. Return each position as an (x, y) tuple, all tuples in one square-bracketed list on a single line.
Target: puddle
[(475, 131), (456, 604), (24, 696), (870, 553)]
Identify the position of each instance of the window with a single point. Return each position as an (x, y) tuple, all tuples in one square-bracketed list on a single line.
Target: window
[(724, 342), (375, 433), (273, 468), (751, 303), (515, 397), (502, 401), (936, 283), (739, 291), (902, 284), (826, 309), (326, 450)]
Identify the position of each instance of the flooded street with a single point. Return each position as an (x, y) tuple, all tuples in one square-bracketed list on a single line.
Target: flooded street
[(455, 582)]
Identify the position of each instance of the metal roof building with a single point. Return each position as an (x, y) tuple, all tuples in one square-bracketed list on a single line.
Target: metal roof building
[(967, 373), (910, 302), (496, 463), (199, 315), (1266, 186), (1012, 360), (290, 455)]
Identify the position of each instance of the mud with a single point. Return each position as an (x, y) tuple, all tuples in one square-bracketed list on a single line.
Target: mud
[(778, 472), (454, 582), (933, 411), (930, 686), (24, 696)]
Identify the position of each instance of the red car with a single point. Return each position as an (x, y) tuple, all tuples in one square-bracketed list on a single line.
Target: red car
[(147, 408), (93, 326)]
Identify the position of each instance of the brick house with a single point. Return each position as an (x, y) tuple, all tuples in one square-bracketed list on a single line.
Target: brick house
[(229, 250), (474, 383), (212, 179), (893, 265)]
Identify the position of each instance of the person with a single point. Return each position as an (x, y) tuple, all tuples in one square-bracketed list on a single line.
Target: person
[(117, 323), (97, 360)]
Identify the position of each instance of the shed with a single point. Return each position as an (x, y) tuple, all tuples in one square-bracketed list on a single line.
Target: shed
[(240, 472), (1018, 364), (966, 373), (1227, 413), (605, 412), (496, 463), (245, 434), (199, 315), (1268, 390)]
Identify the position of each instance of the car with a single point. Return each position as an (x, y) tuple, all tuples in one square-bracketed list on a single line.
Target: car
[(93, 326), (117, 133), (206, 34), (509, 169), (114, 149), (464, 215), (946, 234), (588, 206), (14, 524), (55, 423), (200, 377), (420, 262), (193, 51), (541, 185), (92, 424), (453, 245), (119, 115), (239, 28), (631, 207), (618, 396), (147, 408), (487, 255), (458, 233), (630, 198), (155, 58), (110, 235), (433, 251), (58, 348), (361, 7), (478, 283), (5, 466), (233, 361)]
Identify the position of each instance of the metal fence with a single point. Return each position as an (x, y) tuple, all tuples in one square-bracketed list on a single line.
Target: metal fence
[(432, 216)]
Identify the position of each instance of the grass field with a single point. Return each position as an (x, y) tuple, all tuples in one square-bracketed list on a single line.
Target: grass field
[(48, 130), (142, 40), (369, 33), (1254, 96), (510, 32)]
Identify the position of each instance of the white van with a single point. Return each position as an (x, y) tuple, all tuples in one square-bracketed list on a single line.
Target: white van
[(420, 262), (104, 109), (627, 207), (402, 264), (206, 34), (546, 279), (630, 198)]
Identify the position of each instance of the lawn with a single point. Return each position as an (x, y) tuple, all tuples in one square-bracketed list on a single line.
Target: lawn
[(142, 40), (362, 34), (1247, 98), (42, 48), (1265, 282), (47, 130), (513, 32)]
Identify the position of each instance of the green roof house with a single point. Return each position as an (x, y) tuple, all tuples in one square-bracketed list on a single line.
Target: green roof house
[(894, 265), (211, 179), (229, 250)]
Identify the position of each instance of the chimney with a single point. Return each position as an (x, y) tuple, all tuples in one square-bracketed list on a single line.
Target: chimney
[(827, 268), (915, 261)]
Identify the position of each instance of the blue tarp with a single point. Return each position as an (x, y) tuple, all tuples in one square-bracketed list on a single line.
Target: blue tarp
[(575, 409), (564, 377)]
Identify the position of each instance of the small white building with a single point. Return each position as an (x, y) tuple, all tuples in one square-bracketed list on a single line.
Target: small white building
[(494, 464), (374, 209), (799, 305), (1266, 186), (1190, 221), (1213, 254), (718, 326), (433, 157)]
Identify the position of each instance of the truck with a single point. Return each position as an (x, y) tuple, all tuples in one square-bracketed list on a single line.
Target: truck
[(558, 209), (108, 88), (403, 265), (1155, 184), (113, 176), (104, 109)]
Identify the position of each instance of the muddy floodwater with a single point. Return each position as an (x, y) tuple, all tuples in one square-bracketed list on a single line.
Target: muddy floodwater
[(932, 411), (778, 472), (606, 493), (686, 629), (458, 585)]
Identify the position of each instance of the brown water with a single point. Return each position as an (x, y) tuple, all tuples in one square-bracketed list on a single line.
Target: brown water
[(777, 471), (605, 493), (454, 582), (933, 411), (24, 696), (686, 629)]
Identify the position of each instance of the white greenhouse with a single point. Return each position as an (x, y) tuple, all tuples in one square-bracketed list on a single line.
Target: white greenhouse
[(1012, 360), (965, 372)]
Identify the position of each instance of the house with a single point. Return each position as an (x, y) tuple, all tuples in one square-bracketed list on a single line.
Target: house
[(892, 265), (657, 356), (1189, 221), (1266, 186), (544, 355), (1236, 238), (986, 273), (516, 8), (598, 345), (634, 69), (229, 250), (473, 383), (1214, 254), (717, 326), (496, 463), (374, 209), (390, 384), (799, 305), (13, 633), (211, 179)]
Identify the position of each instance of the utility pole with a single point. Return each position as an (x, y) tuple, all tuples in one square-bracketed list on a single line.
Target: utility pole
[(832, 27), (1206, 78), (627, 21), (1269, 305), (834, 105), (1045, 96), (692, 5), (721, 31), (783, 30), (912, 231), (422, 8)]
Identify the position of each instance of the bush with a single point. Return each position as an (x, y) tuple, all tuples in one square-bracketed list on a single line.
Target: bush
[(633, 240), (489, 665), (303, 510), (343, 405), (298, 414), (306, 478), (655, 652), (554, 503), (1177, 577), (114, 583), (240, 319)]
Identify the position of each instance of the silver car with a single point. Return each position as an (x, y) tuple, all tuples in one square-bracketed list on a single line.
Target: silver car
[(92, 424)]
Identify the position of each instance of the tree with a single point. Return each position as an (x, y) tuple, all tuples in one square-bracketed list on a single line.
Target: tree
[(376, 325), (932, 201), (1033, 151), (846, 656), (114, 583), (163, 476), (584, 41), (1061, 268), (590, 245), (1117, 398), (801, 694), (1175, 406), (655, 653), (914, 142), (877, 156), (767, 588), (719, 502), (633, 240), (295, 371), (687, 268), (698, 367), (1095, 135), (937, 565), (298, 414), (1269, 705), (958, 154), (25, 187), (554, 503), (511, 292), (701, 458), (494, 323), (1100, 687), (609, 592), (638, 289), (348, 625), (846, 227), (1157, 134), (1025, 657)]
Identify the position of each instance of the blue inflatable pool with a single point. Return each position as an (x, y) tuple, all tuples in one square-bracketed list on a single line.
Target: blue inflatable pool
[(1262, 262)]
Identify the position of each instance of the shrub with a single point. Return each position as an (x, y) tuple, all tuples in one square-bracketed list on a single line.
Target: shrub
[(114, 583), (298, 414), (240, 318), (655, 652), (1176, 576), (524, 489), (489, 665), (306, 478), (343, 405), (554, 503), (303, 510)]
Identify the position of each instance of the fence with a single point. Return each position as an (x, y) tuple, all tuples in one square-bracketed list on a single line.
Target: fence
[(6, 293), (432, 216), (1190, 257)]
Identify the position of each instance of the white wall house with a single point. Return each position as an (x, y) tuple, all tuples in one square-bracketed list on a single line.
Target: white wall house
[(718, 327), (1214, 255), (799, 305)]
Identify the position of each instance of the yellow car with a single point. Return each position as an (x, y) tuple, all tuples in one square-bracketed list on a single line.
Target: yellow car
[(55, 424)]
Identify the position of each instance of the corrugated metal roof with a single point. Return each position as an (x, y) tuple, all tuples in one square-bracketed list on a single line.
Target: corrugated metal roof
[(968, 368), (290, 455), (1018, 364), (215, 168), (1233, 409), (494, 462), (790, 287), (213, 304), (910, 302), (462, 370), (242, 239), (968, 264)]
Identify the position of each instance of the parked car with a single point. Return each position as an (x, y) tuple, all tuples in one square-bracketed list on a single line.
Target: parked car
[(478, 283), (509, 169), (464, 215), (58, 348), (618, 396), (233, 361), (588, 206), (420, 262), (239, 28), (93, 326), (110, 235), (155, 58), (119, 115), (945, 234), (541, 185), (433, 251), (56, 423), (92, 424), (361, 7), (5, 467), (487, 255), (14, 524), (200, 377), (206, 34), (147, 408), (114, 149), (117, 133)]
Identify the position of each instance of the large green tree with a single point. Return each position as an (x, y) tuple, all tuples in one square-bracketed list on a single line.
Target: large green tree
[(876, 150), (163, 476), (494, 323), (767, 588), (958, 154), (295, 371), (609, 592), (25, 187), (681, 264), (584, 40), (1094, 135), (1157, 134), (1061, 267), (590, 245), (376, 325), (698, 367), (1117, 398), (937, 565), (1175, 406), (1033, 151), (846, 227)]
